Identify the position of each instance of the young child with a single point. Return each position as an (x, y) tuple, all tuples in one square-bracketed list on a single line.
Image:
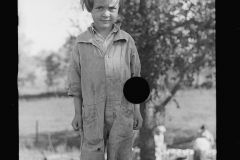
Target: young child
[(103, 58)]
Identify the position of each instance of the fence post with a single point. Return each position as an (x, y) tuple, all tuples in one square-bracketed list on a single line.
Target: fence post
[(50, 145), (36, 138)]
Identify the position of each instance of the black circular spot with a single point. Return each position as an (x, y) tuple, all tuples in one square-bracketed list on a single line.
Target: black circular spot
[(136, 90)]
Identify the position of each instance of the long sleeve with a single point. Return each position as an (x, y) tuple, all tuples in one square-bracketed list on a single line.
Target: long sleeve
[(135, 61), (74, 74)]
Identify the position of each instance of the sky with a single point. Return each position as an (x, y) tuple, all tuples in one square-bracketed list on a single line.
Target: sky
[(46, 22)]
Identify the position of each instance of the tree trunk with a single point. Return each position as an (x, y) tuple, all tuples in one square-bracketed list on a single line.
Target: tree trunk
[(160, 119), (146, 139), (197, 79)]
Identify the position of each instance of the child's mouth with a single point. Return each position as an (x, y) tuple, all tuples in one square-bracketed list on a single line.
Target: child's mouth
[(105, 21)]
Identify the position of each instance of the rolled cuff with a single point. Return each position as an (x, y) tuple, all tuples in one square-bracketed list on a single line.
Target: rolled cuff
[(74, 90), (135, 66)]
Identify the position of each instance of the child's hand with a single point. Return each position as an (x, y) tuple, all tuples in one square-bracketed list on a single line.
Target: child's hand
[(137, 120), (77, 122)]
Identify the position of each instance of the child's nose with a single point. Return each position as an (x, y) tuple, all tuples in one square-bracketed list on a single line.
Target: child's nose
[(106, 14)]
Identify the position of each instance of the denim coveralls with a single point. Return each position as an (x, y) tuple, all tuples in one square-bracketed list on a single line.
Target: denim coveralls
[(98, 76)]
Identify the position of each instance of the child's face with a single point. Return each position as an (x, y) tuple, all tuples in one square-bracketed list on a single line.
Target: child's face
[(105, 13)]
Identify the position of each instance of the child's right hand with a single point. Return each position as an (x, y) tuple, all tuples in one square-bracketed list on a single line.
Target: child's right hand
[(77, 122)]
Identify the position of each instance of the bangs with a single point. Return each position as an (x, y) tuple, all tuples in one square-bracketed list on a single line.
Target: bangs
[(88, 4)]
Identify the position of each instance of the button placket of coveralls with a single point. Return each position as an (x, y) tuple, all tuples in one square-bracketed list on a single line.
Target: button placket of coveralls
[(96, 45), (101, 49), (105, 58), (106, 53), (108, 71), (105, 45), (105, 42)]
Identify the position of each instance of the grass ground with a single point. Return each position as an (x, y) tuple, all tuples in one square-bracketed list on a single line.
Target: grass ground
[(36, 154), (197, 107), (54, 115)]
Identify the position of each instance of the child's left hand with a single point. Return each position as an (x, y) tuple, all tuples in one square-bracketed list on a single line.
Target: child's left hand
[(137, 120)]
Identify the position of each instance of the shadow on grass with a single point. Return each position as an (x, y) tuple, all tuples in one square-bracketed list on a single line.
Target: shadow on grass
[(43, 95)]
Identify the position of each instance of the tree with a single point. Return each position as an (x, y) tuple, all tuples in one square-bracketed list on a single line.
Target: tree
[(55, 64), (65, 51), (52, 64), (25, 62), (171, 35)]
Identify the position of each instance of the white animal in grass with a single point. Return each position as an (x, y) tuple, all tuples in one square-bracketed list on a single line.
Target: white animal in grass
[(201, 146), (208, 135), (205, 133)]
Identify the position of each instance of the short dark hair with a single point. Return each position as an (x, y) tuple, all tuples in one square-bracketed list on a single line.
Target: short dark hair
[(89, 5)]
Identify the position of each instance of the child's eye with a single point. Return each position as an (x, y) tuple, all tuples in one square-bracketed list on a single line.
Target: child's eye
[(100, 8), (112, 8)]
